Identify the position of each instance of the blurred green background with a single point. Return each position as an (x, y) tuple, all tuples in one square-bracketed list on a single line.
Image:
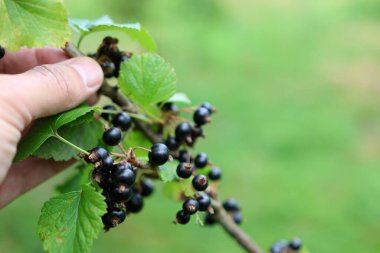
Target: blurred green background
[(297, 88)]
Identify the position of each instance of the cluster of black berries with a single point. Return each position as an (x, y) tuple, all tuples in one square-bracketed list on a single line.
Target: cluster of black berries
[(2, 52), (232, 207), (184, 132), (110, 57), (284, 246), (122, 192), (120, 121), (191, 206)]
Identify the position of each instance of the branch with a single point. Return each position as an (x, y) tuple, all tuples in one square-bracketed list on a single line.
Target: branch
[(220, 214)]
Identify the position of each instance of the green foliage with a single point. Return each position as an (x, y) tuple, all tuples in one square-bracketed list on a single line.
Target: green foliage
[(34, 23), (180, 97), (46, 128), (135, 31), (70, 222), (74, 182), (168, 172), (147, 79)]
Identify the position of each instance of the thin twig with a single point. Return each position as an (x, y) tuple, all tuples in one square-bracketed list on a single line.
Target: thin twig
[(220, 214)]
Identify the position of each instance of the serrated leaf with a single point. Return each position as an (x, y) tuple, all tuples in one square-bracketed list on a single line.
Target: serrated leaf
[(45, 128), (33, 23), (135, 31), (73, 182), (70, 222), (85, 136), (167, 172), (179, 97), (147, 79)]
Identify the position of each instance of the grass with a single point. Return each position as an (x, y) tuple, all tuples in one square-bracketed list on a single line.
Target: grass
[(296, 133)]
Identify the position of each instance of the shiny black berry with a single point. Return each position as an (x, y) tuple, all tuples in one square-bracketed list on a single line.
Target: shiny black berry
[(122, 120), (295, 244), (183, 131), (201, 160), (201, 116), (197, 132), (106, 115), (184, 170), (237, 217), (279, 247), (147, 187), (121, 193), (182, 217), (100, 176), (204, 202), (135, 204), (112, 136), (172, 143), (113, 217), (106, 163), (184, 156), (215, 173), (97, 154), (200, 182), (169, 107), (231, 205), (209, 107), (2, 52), (190, 206), (209, 220), (159, 154), (123, 174)]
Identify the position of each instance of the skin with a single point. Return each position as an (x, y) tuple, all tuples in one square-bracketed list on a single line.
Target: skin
[(36, 83)]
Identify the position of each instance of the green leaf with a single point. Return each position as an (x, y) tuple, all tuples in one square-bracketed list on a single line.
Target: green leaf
[(167, 172), (74, 182), (135, 31), (179, 97), (85, 136), (134, 139), (70, 222), (147, 79), (33, 23), (45, 128)]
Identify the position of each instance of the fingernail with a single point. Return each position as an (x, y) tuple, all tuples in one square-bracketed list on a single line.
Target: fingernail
[(89, 70)]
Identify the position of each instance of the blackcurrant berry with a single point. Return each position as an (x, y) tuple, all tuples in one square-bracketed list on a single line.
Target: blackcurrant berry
[(106, 163), (122, 120), (201, 116), (108, 68), (215, 173), (201, 160), (182, 217), (112, 136), (237, 217), (121, 193), (106, 115), (209, 107), (279, 247), (184, 170), (197, 132), (113, 217), (100, 176), (2, 52), (200, 182), (123, 174), (169, 107), (159, 154), (190, 206), (204, 202), (295, 244), (209, 220), (147, 187), (231, 205), (183, 131), (97, 154), (135, 204), (172, 143), (184, 156)]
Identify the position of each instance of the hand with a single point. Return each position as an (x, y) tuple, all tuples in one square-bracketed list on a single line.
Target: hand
[(30, 90)]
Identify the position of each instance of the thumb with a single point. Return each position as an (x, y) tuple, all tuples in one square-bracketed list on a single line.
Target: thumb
[(49, 89)]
